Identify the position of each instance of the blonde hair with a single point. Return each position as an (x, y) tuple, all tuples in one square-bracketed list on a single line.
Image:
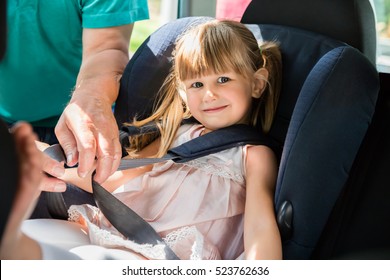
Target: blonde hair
[(215, 46)]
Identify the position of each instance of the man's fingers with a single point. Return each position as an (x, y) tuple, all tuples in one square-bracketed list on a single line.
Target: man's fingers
[(108, 159), (105, 166), (68, 142), (86, 163), (76, 134), (103, 169), (90, 136), (117, 155)]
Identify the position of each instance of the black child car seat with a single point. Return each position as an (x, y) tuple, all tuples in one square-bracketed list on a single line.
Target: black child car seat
[(356, 227), (327, 103)]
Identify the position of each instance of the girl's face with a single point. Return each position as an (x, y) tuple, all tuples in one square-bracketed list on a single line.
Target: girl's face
[(221, 100)]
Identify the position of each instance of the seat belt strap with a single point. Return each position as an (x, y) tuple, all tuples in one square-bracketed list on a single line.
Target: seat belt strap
[(213, 142)]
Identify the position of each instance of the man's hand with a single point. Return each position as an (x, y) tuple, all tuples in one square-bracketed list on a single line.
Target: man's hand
[(87, 130)]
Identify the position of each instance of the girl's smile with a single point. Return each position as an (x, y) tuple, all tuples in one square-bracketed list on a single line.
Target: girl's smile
[(215, 109)]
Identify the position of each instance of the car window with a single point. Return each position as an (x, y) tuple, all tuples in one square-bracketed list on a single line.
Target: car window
[(382, 13)]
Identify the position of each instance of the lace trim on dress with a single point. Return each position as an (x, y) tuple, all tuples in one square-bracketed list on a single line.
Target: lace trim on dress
[(211, 168), (102, 237), (183, 233)]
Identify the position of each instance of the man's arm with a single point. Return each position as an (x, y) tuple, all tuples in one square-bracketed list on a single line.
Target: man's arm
[(87, 128)]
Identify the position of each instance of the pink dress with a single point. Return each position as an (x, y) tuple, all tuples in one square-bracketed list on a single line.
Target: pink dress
[(197, 206)]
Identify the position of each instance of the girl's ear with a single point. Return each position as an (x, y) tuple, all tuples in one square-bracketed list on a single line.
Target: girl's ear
[(260, 81), (182, 92), (183, 95)]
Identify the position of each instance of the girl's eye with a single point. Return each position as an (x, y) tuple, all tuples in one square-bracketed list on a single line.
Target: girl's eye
[(223, 80), (197, 85)]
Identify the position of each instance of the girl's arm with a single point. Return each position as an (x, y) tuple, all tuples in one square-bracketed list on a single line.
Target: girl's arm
[(118, 178), (261, 234)]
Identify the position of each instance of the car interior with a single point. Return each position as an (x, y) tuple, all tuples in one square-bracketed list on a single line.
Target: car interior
[(332, 125), (331, 193)]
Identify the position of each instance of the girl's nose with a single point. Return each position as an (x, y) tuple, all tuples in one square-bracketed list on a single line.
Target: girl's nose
[(209, 96)]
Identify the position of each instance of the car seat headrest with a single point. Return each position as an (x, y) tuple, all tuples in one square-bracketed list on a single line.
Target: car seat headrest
[(301, 50), (350, 21)]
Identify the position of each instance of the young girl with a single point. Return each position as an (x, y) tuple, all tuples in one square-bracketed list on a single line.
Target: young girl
[(220, 76)]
